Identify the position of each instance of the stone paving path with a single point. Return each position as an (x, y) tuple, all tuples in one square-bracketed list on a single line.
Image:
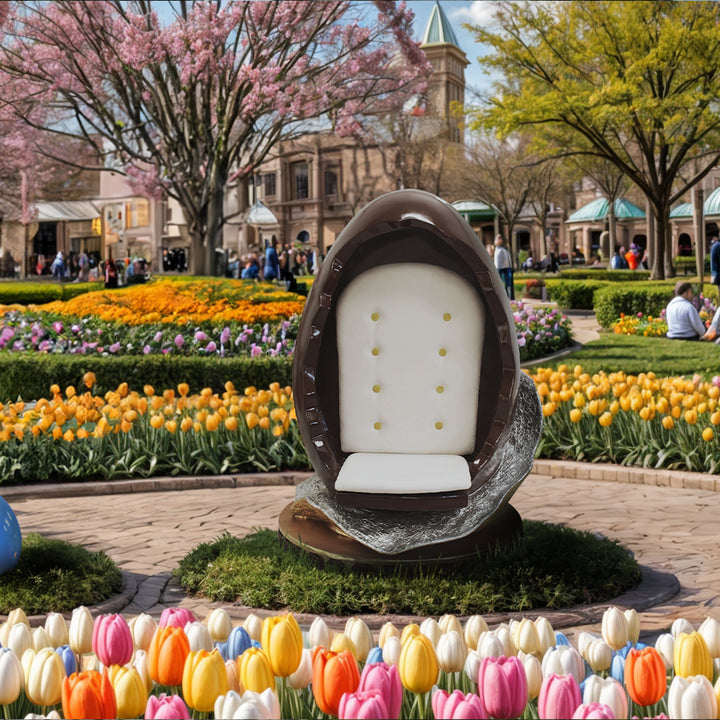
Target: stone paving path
[(668, 520)]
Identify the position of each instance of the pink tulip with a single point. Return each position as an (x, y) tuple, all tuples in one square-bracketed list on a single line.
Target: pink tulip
[(175, 617), (456, 706), (386, 679), (594, 711), (559, 697), (166, 707), (363, 705), (112, 640), (503, 686)]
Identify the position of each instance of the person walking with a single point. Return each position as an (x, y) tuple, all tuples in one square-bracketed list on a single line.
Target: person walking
[(58, 267), (272, 263), (715, 261), (503, 264)]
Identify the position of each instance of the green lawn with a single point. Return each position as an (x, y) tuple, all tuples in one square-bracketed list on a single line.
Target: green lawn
[(634, 354)]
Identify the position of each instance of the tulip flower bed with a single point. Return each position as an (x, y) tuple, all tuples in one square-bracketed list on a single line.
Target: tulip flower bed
[(125, 433), (550, 567), (201, 318), (181, 667), (649, 326), (640, 419)]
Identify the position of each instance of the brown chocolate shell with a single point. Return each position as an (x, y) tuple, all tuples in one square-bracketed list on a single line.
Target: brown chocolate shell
[(400, 227)]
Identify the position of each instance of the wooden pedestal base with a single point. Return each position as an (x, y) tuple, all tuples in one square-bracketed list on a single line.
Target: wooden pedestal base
[(326, 542)]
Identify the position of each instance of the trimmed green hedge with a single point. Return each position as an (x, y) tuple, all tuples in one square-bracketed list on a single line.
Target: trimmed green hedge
[(607, 275), (685, 265), (630, 299), (29, 377), (38, 293), (573, 294)]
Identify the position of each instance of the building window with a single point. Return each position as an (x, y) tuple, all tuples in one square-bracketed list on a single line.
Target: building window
[(300, 181), (269, 185), (331, 182), (137, 213)]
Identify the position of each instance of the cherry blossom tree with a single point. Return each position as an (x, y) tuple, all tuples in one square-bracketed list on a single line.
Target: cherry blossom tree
[(185, 97)]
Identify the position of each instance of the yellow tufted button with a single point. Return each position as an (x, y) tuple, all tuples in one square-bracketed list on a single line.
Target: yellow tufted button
[(377, 425), (439, 389), (447, 317), (376, 388), (442, 352), (438, 426), (375, 351), (375, 317)]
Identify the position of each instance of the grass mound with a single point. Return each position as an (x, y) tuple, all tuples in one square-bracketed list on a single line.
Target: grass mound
[(550, 567), (53, 575)]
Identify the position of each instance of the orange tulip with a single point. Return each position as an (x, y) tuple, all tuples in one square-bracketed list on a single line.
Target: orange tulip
[(332, 675), (167, 654), (89, 695), (645, 676)]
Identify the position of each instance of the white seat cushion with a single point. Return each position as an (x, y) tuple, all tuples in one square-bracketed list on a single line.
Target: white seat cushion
[(394, 473), (410, 338)]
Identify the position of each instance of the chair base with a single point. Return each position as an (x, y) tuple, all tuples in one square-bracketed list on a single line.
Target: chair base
[(324, 541), (411, 502)]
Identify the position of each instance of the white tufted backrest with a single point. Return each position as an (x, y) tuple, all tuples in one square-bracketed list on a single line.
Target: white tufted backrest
[(410, 338)]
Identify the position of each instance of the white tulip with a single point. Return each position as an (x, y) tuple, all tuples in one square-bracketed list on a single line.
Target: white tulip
[(391, 650), (220, 624), (319, 634), (57, 629), (692, 697), (710, 630), (607, 691), (253, 626), (142, 629), (681, 625), (198, 636), (564, 660), (475, 625), (431, 630)]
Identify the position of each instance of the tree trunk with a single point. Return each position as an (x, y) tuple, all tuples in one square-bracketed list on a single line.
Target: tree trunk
[(213, 236), (699, 232), (655, 248)]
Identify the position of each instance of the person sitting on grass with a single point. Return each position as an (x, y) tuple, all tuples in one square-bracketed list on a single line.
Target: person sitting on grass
[(683, 319)]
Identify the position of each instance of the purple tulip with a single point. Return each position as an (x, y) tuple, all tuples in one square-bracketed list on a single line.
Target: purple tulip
[(502, 686), (158, 336), (200, 336), (559, 697), (179, 340), (147, 349), (225, 335), (114, 347), (255, 350), (166, 707), (57, 326), (211, 347)]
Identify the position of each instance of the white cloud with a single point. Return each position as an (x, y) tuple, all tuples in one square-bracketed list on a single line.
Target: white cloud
[(478, 12)]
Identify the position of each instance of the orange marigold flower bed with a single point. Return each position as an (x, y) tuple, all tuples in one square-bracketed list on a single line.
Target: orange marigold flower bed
[(169, 301)]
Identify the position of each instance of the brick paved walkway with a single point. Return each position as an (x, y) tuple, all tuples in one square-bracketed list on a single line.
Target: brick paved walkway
[(667, 519)]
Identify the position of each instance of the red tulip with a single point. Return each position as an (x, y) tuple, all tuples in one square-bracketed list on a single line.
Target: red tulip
[(112, 640)]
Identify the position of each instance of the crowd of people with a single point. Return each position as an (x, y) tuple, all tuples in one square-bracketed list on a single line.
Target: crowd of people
[(279, 263)]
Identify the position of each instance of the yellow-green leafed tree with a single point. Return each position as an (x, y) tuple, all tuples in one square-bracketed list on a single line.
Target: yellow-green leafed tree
[(635, 82)]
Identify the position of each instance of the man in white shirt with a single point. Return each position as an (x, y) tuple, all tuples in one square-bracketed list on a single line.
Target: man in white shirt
[(683, 320), (503, 263)]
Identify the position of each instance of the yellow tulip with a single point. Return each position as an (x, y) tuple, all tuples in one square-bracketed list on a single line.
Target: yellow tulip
[(281, 639), (89, 379), (264, 423), (183, 389), (668, 423), (231, 423), (341, 642), (255, 671), (691, 656), (252, 420), (171, 426), (606, 419), (130, 691), (157, 421), (575, 415), (204, 679), (418, 665), (708, 434)]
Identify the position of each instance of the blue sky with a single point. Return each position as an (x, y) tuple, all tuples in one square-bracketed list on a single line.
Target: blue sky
[(459, 12)]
